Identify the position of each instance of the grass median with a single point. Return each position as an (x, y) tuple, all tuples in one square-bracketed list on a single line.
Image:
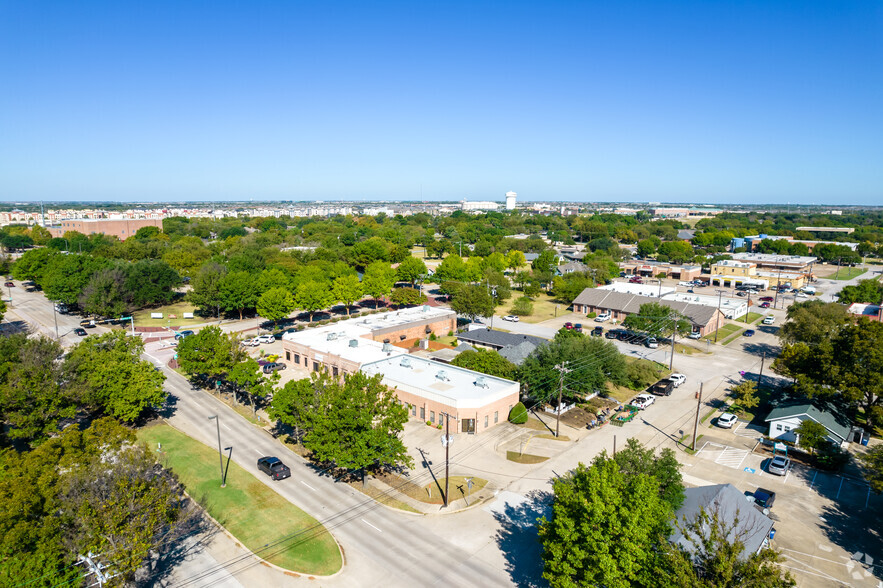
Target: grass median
[(263, 521)]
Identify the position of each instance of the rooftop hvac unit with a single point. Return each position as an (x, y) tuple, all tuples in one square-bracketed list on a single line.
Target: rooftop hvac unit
[(406, 362), (354, 342), (331, 337), (387, 348), (481, 382), (425, 308), (442, 375)]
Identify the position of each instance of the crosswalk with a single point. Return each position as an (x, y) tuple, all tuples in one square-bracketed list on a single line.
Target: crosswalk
[(732, 457)]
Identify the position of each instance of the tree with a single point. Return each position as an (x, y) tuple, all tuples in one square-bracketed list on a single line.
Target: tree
[(451, 269), (237, 291), (150, 282), (486, 361), (813, 435), (378, 280), (716, 557), (354, 423), (65, 276), (31, 264), (515, 259), (866, 291), (206, 284), (523, 306), (647, 247), (411, 270), (347, 289), (635, 459), (105, 294), (569, 286), (210, 351), (658, 320), (247, 377), (813, 322), (472, 301), (273, 278), (407, 297), (313, 296), (545, 263), (275, 304), (107, 372), (604, 529), (746, 395), (873, 463)]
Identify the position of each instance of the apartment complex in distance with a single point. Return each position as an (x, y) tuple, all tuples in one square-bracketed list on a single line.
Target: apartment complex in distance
[(122, 228)]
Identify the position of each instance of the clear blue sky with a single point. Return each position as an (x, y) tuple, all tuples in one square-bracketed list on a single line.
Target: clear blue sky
[(705, 101)]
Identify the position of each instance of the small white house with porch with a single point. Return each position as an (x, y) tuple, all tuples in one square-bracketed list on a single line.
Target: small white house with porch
[(783, 420)]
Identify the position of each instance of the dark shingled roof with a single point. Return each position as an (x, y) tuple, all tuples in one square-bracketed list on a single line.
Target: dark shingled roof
[(827, 416), (498, 339), (631, 304)]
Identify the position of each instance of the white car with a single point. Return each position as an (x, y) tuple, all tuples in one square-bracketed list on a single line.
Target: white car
[(769, 319), (511, 318), (266, 339), (602, 317), (687, 284), (642, 401), (251, 342), (694, 335), (726, 420), (678, 379)]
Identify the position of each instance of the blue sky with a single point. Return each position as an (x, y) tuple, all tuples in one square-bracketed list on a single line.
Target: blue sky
[(750, 102)]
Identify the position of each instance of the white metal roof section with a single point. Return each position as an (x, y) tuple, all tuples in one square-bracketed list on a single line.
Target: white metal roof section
[(447, 384)]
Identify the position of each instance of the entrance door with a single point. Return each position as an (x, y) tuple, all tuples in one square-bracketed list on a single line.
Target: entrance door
[(469, 426)]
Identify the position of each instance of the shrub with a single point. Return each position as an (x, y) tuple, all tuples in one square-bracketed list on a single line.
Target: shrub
[(522, 306), (518, 414), (831, 457), (592, 315), (640, 374)]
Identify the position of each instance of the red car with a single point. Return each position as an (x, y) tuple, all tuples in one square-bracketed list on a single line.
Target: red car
[(766, 299), (636, 280), (568, 325), (765, 305)]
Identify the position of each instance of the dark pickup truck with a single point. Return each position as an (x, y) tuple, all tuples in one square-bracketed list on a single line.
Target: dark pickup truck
[(662, 388), (273, 467)]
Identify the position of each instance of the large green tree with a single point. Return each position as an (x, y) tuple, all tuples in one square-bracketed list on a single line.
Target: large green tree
[(658, 320), (247, 378), (105, 294), (472, 300), (347, 289), (313, 296), (411, 270), (407, 297), (106, 372), (206, 287), (635, 459), (378, 280), (275, 304), (65, 276), (813, 322), (873, 464), (605, 527), (866, 291), (211, 351), (238, 292), (151, 282), (354, 423), (486, 361)]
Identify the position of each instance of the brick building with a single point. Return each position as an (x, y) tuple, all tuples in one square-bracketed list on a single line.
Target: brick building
[(476, 402), (119, 228), (650, 269)]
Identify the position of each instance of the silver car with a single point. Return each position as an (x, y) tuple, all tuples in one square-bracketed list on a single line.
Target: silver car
[(779, 465), (726, 420)]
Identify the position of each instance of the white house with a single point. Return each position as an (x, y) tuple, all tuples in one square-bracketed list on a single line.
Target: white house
[(783, 420)]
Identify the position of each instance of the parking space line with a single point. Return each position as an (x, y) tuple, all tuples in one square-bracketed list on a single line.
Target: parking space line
[(813, 479), (308, 486), (370, 525)]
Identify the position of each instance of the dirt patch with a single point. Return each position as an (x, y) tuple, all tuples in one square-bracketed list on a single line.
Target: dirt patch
[(525, 458)]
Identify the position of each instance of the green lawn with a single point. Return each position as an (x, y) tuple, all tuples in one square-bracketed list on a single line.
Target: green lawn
[(247, 508), (543, 308), (752, 317), (846, 273), (142, 317), (724, 332)]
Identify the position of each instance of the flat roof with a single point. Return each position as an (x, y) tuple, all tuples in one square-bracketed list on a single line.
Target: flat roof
[(649, 290), (398, 318), (773, 258), (447, 384), (725, 303), (846, 230), (338, 340)]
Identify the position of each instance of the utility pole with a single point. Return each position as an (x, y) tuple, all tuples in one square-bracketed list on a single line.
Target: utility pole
[(760, 376), (446, 442), (719, 294), (561, 370), (55, 318), (674, 334), (749, 307), (220, 452), (95, 567), (696, 422)]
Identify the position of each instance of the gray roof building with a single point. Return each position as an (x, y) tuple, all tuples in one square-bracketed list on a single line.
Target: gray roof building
[(837, 424), (497, 339), (626, 304), (571, 267), (518, 353), (753, 528)]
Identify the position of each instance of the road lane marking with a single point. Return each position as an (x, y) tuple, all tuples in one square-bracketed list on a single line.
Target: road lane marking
[(308, 486), (226, 427), (259, 453), (370, 525)]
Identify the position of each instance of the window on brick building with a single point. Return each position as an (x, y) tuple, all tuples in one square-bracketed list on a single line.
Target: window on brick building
[(486, 417), (496, 416), (431, 416), (422, 413)]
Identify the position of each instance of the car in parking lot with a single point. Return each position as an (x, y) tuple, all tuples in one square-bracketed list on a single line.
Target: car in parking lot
[(80, 331), (695, 335), (636, 280), (764, 498), (685, 283), (273, 366), (726, 420), (748, 333), (88, 323), (642, 401), (677, 379), (764, 304), (651, 343), (266, 339), (602, 317), (766, 299), (741, 293), (598, 331), (578, 327), (511, 318), (9, 285), (568, 325), (779, 465), (273, 467), (182, 334), (250, 342), (769, 319)]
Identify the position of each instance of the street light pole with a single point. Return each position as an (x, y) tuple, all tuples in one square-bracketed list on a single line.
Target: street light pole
[(446, 441), (55, 318), (719, 294), (220, 452)]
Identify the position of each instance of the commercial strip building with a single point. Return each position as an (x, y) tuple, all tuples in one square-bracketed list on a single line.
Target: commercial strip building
[(120, 228), (651, 269), (649, 290), (705, 319), (342, 348), (751, 242), (476, 402), (730, 273), (731, 308)]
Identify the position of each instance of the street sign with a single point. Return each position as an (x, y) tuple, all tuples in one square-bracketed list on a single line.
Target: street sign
[(447, 440), (750, 470)]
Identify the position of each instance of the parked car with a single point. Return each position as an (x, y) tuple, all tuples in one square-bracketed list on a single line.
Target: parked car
[(578, 327), (677, 379), (266, 339), (779, 465), (80, 331), (769, 319), (602, 317), (642, 401), (511, 318), (748, 333), (685, 284), (250, 342), (273, 467), (636, 280), (61, 308), (611, 334), (598, 331), (182, 334), (766, 299), (568, 325), (764, 304), (741, 293), (273, 366), (9, 285), (726, 420), (662, 387), (695, 335), (764, 498), (651, 343)]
